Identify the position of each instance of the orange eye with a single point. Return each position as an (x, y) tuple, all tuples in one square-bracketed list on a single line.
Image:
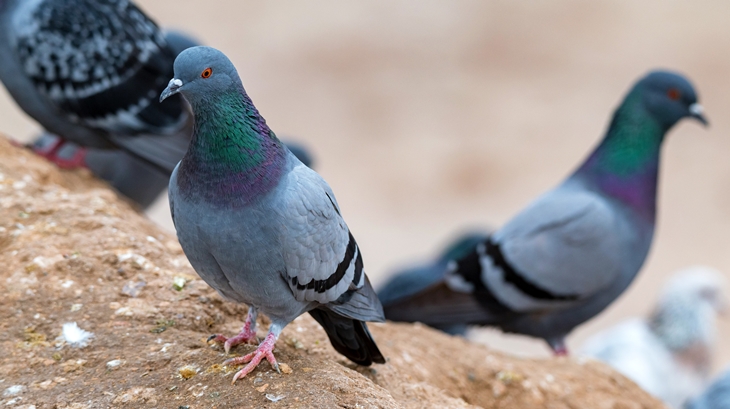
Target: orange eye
[(207, 73), (674, 94)]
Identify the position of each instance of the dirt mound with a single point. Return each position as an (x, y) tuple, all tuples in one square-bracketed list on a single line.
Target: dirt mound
[(72, 252)]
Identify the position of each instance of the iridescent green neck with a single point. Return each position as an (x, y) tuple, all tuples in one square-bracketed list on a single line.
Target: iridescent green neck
[(233, 155), (625, 164), (632, 142)]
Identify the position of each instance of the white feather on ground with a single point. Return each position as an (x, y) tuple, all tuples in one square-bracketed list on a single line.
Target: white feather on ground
[(75, 336)]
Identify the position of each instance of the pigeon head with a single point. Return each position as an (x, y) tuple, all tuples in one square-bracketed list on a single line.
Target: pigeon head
[(200, 72), (669, 97), (684, 317)]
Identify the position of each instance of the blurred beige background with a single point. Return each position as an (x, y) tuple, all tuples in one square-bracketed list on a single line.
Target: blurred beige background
[(428, 117)]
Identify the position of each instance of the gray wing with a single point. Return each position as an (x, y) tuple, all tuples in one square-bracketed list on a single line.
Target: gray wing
[(100, 63), (323, 260), (564, 248)]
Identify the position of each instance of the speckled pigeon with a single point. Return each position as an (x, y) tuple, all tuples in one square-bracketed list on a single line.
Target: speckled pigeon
[(259, 226), (90, 71), (576, 248), (670, 354), (716, 396)]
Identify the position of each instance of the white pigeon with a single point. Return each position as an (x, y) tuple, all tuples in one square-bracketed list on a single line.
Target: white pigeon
[(668, 354)]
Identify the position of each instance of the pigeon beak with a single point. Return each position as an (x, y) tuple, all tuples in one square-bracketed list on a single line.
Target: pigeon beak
[(695, 111), (173, 87)]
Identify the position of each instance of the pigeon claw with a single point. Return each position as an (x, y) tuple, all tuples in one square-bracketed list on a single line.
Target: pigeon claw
[(246, 336), (264, 350)]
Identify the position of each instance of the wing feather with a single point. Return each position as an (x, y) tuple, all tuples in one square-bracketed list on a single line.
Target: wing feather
[(322, 257), (567, 245)]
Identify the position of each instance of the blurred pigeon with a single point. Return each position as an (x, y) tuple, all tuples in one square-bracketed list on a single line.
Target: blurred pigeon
[(418, 278), (90, 71), (717, 396), (259, 226), (570, 253), (669, 354)]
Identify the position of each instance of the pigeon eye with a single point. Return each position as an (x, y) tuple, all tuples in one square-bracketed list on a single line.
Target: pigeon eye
[(674, 94), (207, 73)]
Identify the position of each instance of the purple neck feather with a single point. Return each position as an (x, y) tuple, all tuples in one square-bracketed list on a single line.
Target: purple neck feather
[(233, 158)]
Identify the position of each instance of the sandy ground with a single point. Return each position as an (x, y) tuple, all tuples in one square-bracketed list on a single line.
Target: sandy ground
[(428, 117)]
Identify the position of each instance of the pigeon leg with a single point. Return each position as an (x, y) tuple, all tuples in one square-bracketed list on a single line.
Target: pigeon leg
[(69, 156), (264, 350), (558, 346), (66, 155), (47, 145), (247, 334)]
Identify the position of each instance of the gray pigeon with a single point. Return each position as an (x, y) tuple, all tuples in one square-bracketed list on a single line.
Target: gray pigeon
[(669, 354), (259, 226), (90, 71), (571, 252), (716, 396)]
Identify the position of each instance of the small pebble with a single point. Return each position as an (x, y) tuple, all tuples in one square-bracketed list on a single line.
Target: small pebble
[(133, 289), (274, 398), (178, 283), (187, 371), (114, 364), (13, 390)]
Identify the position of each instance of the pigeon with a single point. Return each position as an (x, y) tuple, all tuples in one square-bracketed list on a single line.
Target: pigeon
[(669, 354), (417, 278), (259, 226), (90, 71), (576, 248), (716, 396)]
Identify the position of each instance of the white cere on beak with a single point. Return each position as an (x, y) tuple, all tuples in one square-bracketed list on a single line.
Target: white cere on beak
[(178, 83), (696, 109)]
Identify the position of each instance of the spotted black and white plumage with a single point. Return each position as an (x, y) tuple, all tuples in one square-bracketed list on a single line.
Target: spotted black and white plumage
[(91, 72)]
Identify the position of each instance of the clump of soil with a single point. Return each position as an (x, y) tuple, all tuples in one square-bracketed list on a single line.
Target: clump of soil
[(72, 252)]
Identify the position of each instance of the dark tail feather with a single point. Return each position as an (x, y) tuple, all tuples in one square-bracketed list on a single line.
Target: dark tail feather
[(440, 307), (350, 337)]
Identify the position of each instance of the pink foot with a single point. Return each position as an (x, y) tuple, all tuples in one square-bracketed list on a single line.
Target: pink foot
[(247, 334), (73, 159), (47, 145), (265, 350), (558, 346), (561, 352), (57, 150)]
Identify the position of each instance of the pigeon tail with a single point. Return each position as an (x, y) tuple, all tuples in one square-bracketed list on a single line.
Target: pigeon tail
[(350, 337)]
